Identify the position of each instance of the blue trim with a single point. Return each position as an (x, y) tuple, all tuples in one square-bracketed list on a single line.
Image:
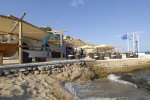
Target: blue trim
[(47, 37)]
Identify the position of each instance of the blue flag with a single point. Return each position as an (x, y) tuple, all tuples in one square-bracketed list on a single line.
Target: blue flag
[(124, 37)]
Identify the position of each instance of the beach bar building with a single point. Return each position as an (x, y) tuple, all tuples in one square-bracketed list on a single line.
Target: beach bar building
[(25, 42)]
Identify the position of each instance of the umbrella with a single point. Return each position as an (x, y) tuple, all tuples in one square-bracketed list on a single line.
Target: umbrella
[(87, 47)]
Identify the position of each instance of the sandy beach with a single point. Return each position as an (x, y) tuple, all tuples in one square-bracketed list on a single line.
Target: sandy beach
[(32, 87), (47, 84)]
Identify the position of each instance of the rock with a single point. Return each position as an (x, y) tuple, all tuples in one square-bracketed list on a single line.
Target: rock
[(6, 72), (68, 65), (41, 68), (68, 68), (22, 69), (60, 70), (63, 69), (43, 72), (13, 71), (75, 75), (61, 77), (70, 72), (53, 66), (37, 72), (49, 72), (54, 69), (82, 75), (31, 72), (11, 76), (54, 72), (34, 68), (21, 74), (58, 66), (29, 68), (16, 75), (26, 72), (87, 75), (66, 74), (1, 73), (47, 68)]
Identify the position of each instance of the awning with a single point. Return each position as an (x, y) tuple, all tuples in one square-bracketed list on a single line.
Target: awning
[(87, 47), (104, 47), (29, 30)]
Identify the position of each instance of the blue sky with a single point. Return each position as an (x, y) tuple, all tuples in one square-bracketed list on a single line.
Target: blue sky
[(94, 21)]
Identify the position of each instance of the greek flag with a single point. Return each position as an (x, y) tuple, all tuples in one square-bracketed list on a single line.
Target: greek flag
[(124, 37)]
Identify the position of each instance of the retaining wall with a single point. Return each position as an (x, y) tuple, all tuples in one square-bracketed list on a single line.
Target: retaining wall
[(44, 69)]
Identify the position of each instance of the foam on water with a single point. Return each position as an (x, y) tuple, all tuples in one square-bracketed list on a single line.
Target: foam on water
[(115, 78)]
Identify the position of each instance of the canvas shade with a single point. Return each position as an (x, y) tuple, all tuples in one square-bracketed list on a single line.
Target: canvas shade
[(104, 47), (87, 47), (29, 30)]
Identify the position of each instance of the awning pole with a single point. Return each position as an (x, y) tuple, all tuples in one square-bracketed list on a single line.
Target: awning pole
[(20, 42), (61, 52)]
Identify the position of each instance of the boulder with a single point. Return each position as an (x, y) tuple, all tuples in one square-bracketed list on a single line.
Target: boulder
[(76, 74)]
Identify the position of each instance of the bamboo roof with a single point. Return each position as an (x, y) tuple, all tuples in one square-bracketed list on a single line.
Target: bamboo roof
[(29, 30)]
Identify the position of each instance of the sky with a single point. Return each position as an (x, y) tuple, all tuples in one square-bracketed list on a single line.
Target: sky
[(94, 21)]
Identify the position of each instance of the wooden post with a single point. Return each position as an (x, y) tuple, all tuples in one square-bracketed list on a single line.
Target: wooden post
[(61, 53), (20, 42), (1, 58)]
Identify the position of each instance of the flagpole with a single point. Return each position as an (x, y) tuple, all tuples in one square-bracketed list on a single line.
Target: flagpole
[(133, 42), (128, 43), (138, 43)]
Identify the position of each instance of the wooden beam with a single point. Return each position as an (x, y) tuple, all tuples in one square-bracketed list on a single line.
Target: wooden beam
[(16, 23), (20, 42)]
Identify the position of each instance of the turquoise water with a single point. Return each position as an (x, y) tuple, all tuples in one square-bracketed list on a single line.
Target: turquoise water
[(123, 86)]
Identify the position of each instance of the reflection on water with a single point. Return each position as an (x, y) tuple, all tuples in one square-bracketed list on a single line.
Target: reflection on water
[(111, 88)]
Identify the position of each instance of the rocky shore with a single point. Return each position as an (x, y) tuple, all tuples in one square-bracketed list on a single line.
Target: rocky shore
[(119, 65), (45, 82)]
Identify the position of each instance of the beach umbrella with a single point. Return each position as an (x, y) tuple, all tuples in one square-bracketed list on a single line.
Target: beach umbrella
[(87, 47)]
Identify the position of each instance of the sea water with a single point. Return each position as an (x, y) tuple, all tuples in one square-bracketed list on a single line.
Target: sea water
[(123, 86)]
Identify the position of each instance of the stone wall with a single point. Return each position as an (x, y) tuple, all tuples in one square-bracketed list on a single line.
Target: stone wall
[(64, 72), (119, 65), (46, 69)]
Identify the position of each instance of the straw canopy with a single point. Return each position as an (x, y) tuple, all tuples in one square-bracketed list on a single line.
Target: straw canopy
[(87, 47)]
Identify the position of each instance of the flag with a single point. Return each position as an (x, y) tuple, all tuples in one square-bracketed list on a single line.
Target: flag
[(124, 37)]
